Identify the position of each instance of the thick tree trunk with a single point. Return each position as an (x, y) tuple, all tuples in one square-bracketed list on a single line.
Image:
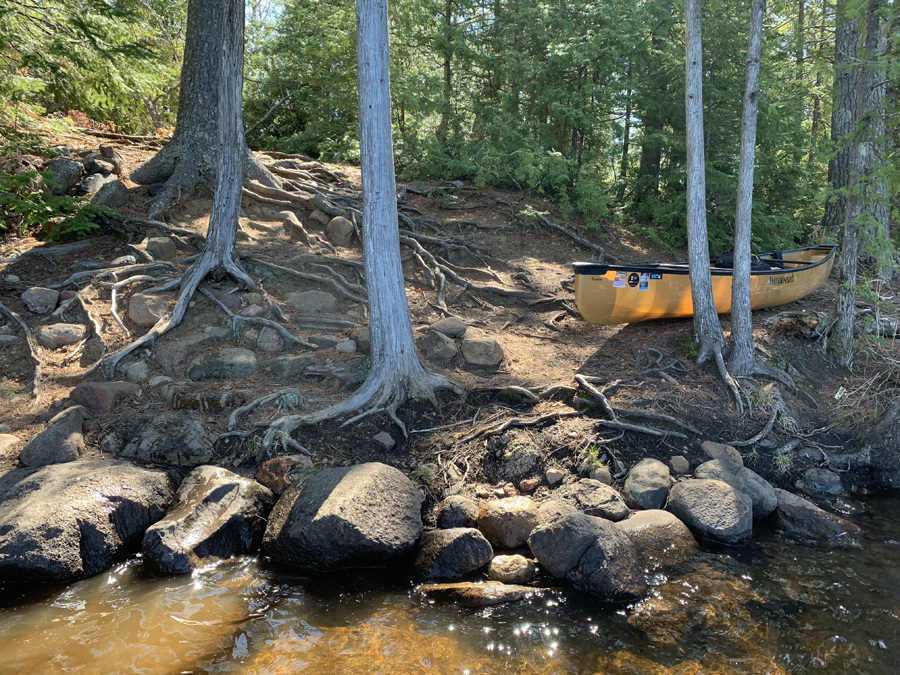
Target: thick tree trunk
[(706, 321), (189, 159), (843, 114), (743, 357), (626, 143)]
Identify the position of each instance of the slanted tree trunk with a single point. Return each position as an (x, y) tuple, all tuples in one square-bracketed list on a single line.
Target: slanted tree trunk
[(743, 357), (189, 159)]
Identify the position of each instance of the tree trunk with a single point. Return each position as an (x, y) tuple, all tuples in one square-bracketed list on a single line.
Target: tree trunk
[(626, 141), (448, 75), (743, 357), (706, 321), (843, 114), (189, 159)]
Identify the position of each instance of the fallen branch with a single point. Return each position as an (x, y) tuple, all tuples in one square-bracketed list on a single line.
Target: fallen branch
[(521, 422), (643, 430), (33, 349)]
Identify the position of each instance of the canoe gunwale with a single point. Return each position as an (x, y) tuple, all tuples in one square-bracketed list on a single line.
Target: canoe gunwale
[(597, 269)]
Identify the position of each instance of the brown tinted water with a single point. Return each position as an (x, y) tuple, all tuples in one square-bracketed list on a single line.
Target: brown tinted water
[(773, 608)]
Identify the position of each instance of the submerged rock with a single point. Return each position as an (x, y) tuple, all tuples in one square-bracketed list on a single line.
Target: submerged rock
[(216, 515), (801, 518), (68, 521), (659, 537), (467, 594), (363, 515), (452, 554)]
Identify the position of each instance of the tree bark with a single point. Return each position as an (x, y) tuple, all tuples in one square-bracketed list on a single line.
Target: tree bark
[(743, 356), (189, 159), (706, 321)]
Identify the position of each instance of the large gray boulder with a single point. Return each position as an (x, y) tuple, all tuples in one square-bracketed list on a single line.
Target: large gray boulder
[(713, 510), (216, 515), (41, 300), (647, 485), (364, 515), (452, 554), (64, 174), (171, 438), (598, 499), (113, 194), (62, 441), (801, 518), (659, 537), (743, 479), (507, 523), (68, 521), (592, 553)]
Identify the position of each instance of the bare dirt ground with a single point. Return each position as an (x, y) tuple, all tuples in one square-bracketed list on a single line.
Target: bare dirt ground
[(543, 347)]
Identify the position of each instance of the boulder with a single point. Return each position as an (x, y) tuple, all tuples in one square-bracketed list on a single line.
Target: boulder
[(7, 444), (452, 554), (68, 521), (659, 537), (253, 311), (346, 347), (216, 515), (64, 174), (457, 511), (40, 300), (317, 302), (278, 473), (225, 363), (511, 569), (162, 248), (715, 450), (293, 227), (481, 352), (287, 369), (113, 194), (553, 509), (598, 499), (363, 515), (518, 458), (340, 231), (468, 594), (647, 485), (62, 441), (137, 371), (92, 184), (451, 326), (507, 523), (59, 335), (102, 395), (320, 217), (743, 479), (821, 481), (363, 339), (111, 155), (436, 346), (170, 438), (680, 465), (269, 340), (592, 553), (171, 355), (713, 510), (801, 518), (146, 310)]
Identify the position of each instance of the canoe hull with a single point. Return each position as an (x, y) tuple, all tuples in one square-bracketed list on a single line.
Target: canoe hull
[(611, 294)]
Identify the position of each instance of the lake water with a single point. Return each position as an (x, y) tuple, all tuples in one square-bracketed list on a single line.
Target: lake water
[(773, 607)]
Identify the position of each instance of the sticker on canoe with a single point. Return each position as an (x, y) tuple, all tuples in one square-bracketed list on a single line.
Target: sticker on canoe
[(645, 281), (777, 281), (633, 279), (619, 282), (621, 274), (656, 276)]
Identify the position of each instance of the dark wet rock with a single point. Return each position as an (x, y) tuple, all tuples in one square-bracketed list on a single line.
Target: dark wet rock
[(801, 518), (363, 339), (715, 450), (162, 248), (436, 345), (225, 363), (511, 569), (821, 481), (312, 301), (457, 511), (40, 300), (280, 472), (62, 441), (554, 508), (170, 438), (592, 553), (659, 537), (507, 523), (64, 174), (647, 485), (113, 194), (288, 369), (713, 510), (598, 499), (340, 231), (452, 554), (741, 478), (102, 395), (467, 594), (59, 335), (69, 521), (481, 352), (363, 515), (451, 326), (680, 465), (216, 515), (146, 310)]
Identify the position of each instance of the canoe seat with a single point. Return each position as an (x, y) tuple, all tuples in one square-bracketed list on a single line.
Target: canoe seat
[(726, 261)]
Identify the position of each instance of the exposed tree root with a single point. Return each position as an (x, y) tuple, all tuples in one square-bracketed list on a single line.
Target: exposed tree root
[(336, 281), (33, 349), (236, 320), (766, 430), (285, 402), (96, 327), (602, 255), (520, 422), (114, 287)]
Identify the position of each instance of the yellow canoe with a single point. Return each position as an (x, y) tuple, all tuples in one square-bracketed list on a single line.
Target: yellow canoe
[(607, 294)]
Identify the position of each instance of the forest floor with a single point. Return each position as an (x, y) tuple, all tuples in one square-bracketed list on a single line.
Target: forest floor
[(453, 447)]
